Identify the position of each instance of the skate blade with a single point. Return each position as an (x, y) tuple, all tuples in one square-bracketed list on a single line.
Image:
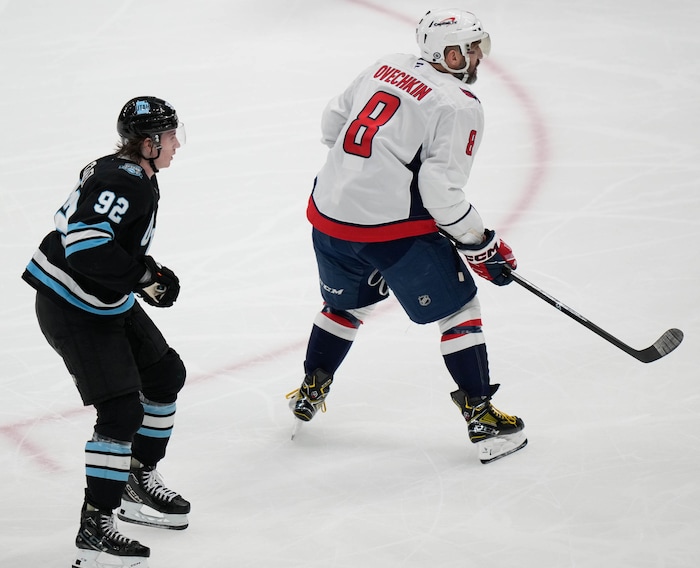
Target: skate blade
[(140, 514), (297, 426), (98, 559), (501, 446)]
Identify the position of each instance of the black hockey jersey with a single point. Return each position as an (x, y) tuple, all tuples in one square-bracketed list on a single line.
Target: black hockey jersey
[(93, 260)]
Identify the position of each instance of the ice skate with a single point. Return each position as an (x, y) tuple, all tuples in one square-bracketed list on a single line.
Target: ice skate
[(101, 545), (146, 501), (311, 395), (495, 433)]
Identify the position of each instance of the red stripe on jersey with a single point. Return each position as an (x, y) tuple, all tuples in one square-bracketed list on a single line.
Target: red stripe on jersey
[(470, 94), (368, 233)]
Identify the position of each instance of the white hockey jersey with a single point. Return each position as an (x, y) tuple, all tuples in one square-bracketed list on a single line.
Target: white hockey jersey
[(402, 140)]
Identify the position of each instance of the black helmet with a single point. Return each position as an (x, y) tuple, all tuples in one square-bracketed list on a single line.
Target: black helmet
[(143, 117)]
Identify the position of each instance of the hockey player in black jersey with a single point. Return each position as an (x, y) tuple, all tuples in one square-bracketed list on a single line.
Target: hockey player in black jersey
[(86, 274)]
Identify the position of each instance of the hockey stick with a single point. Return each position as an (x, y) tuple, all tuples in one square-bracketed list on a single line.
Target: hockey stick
[(662, 346)]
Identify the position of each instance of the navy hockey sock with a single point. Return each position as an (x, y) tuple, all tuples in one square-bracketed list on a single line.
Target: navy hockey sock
[(331, 338), (464, 352)]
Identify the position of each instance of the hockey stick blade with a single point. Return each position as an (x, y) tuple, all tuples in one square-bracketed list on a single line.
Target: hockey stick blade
[(663, 346)]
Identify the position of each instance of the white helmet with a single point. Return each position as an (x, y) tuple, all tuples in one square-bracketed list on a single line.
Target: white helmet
[(443, 28)]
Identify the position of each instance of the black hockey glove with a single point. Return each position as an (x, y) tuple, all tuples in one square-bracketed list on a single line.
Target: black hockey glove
[(160, 287)]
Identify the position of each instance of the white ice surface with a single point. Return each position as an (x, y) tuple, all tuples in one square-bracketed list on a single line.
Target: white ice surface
[(589, 169)]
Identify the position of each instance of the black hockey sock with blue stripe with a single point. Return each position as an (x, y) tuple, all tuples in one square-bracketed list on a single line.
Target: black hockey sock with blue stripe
[(107, 464), (151, 440)]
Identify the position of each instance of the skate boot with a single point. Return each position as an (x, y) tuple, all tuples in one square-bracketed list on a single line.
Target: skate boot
[(100, 544), (495, 433), (311, 395), (146, 501)]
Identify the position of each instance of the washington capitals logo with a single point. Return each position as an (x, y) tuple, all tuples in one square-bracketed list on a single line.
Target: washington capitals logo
[(446, 22)]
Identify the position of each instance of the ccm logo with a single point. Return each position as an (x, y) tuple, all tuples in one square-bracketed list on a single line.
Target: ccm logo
[(482, 256)]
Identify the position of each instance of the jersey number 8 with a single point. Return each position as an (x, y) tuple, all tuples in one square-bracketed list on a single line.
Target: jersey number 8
[(376, 113)]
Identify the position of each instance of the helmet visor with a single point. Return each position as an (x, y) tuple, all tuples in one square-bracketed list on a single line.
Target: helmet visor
[(484, 43), (180, 133)]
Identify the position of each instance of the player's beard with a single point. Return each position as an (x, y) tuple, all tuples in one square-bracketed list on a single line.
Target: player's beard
[(473, 76)]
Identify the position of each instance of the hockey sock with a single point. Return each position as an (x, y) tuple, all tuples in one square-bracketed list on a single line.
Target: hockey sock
[(107, 464), (331, 338), (152, 438), (464, 350)]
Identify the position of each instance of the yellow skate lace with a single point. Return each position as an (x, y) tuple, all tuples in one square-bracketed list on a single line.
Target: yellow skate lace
[(296, 393), (502, 415)]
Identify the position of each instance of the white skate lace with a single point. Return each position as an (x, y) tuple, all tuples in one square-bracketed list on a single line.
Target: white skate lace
[(110, 531), (154, 484)]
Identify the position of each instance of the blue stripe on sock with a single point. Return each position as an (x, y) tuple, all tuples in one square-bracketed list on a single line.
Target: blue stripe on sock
[(152, 433), (101, 473), (159, 409), (108, 448)]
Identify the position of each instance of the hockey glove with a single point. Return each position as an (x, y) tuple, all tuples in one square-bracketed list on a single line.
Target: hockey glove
[(493, 259), (159, 287)]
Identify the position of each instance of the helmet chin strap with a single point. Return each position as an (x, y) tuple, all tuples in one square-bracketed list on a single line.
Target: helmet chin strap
[(469, 79), (152, 161), (461, 73)]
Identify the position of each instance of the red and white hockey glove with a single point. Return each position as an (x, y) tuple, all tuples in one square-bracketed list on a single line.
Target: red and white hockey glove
[(493, 259)]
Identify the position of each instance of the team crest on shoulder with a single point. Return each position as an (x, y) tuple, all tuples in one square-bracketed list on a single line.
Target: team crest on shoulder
[(132, 169)]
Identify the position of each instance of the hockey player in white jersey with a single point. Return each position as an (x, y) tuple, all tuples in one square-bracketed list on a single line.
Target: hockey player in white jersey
[(389, 214)]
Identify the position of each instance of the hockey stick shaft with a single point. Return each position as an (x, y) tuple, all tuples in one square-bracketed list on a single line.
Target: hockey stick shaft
[(663, 346)]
